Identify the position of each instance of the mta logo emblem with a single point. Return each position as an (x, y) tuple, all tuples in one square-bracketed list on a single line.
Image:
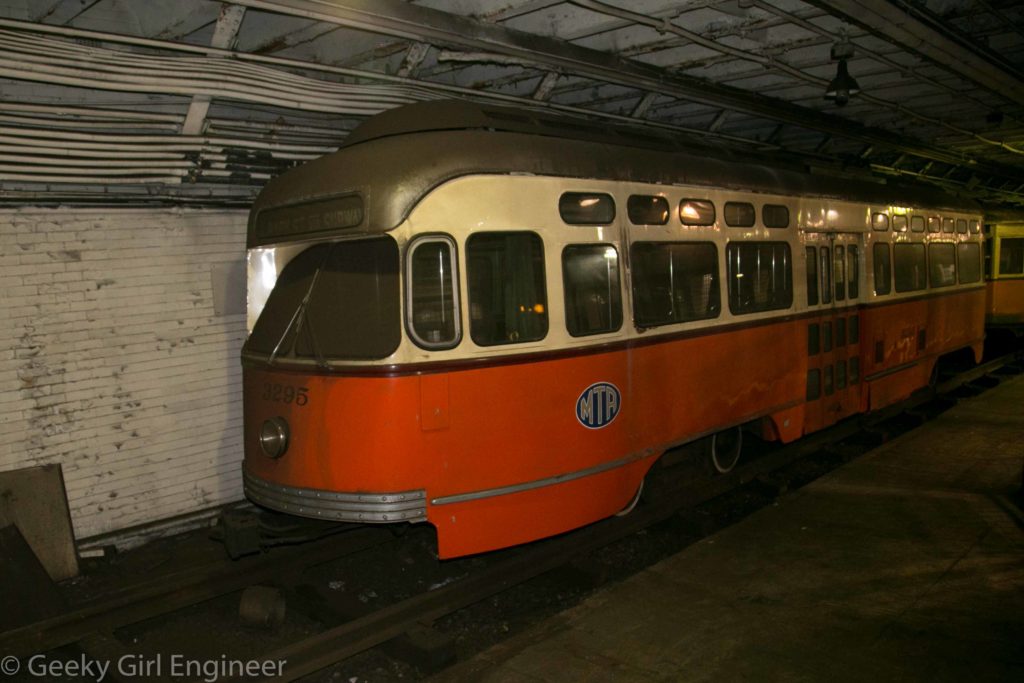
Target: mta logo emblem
[(598, 405)]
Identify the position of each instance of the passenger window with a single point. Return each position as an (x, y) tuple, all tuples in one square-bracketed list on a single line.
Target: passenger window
[(647, 210), (586, 208), (840, 332), (812, 276), (841, 374), (1011, 256), (839, 272), (879, 221), (853, 274), (760, 276), (910, 267), (739, 214), (828, 381), (433, 293), (674, 282), (696, 212), (934, 224), (947, 225), (854, 370), (942, 264), (899, 223), (593, 299), (775, 216), (826, 276), (961, 226), (917, 223), (975, 227), (854, 337), (826, 337), (969, 260), (813, 339), (882, 269), (507, 294)]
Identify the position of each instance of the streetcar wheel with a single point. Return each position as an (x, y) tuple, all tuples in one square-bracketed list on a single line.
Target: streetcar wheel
[(724, 449), (632, 503)]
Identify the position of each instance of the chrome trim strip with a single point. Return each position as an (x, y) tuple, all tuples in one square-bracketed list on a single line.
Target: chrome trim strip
[(404, 506), (539, 483)]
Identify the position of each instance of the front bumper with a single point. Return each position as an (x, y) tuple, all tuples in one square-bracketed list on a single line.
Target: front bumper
[(405, 506)]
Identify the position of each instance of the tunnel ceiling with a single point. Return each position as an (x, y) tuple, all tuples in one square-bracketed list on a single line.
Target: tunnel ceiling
[(195, 101)]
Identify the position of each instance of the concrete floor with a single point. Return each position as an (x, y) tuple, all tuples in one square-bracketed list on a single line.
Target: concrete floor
[(906, 564)]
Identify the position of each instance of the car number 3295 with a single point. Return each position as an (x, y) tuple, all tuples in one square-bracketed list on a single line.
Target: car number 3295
[(284, 393)]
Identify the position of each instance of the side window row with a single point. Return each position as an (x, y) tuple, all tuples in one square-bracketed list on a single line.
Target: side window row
[(673, 282), (913, 267), (596, 208), (945, 224)]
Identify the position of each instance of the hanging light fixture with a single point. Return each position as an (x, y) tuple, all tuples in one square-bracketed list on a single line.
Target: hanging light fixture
[(843, 86)]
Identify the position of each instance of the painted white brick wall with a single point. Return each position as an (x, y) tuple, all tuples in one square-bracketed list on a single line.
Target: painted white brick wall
[(114, 363)]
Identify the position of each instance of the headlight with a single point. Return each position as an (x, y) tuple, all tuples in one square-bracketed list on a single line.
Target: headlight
[(274, 437)]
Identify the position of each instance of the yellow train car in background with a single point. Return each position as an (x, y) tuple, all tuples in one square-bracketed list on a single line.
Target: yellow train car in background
[(1004, 274)]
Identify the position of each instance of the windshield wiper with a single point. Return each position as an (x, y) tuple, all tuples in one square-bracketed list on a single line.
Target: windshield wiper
[(299, 318)]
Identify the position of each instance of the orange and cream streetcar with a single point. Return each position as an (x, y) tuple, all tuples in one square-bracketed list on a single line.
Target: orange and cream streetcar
[(497, 320)]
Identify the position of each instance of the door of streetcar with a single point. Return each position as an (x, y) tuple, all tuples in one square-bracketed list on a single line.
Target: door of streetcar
[(833, 336)]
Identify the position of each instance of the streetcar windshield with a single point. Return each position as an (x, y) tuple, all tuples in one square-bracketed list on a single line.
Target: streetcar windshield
[(334, 301)]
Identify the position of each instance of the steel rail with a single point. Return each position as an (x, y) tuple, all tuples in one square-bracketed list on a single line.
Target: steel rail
[(164, 594)]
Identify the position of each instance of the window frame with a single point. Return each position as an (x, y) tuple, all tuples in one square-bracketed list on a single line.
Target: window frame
[(935, 247), (729, 246), (811, 273), (629, 208), (825, 272), (839, 274), (410, 249), (1014, 241), (577, 193), (905, 246), (852, 272), (543, 279), (565, 289), (903, 223), (753, 214), (634, 280), (959, 270), (774, 207), (888, 268), (690, 222)]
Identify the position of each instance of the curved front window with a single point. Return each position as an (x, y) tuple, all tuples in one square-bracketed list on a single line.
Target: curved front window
[(334, 301)]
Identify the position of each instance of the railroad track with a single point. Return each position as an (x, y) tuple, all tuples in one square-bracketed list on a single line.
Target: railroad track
[(91, 624)]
